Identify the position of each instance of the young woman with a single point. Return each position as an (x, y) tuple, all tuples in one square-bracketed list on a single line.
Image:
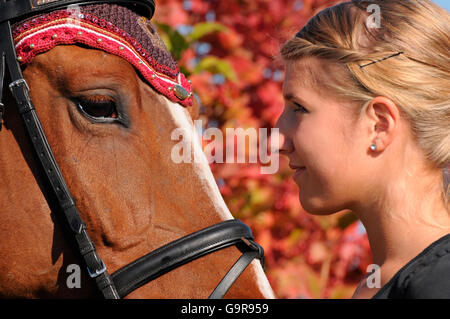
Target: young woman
[(366, 127)]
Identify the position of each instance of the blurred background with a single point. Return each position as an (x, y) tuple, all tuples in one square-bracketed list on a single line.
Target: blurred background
[(229, 50), (443, 3)]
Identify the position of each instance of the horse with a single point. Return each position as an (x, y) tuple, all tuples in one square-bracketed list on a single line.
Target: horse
[(110, 133)]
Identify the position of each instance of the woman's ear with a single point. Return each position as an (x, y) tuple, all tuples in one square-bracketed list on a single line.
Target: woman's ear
[(384, 116)]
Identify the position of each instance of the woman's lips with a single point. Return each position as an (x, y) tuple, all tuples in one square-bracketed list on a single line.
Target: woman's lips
[(298, 170)]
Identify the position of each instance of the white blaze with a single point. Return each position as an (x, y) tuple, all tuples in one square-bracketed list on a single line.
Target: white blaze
[(183, 120)]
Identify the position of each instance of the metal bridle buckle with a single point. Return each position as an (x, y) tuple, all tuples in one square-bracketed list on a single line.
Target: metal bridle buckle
[(257, 248), (97, 272), (249, 244), (18, 83)]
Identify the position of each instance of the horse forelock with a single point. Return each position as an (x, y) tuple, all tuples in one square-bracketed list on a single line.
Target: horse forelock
[(113, 29)]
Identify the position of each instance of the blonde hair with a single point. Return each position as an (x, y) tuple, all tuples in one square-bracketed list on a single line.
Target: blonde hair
[(405, 58)]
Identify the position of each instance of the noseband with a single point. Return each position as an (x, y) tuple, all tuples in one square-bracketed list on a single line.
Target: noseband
[(154, 264)]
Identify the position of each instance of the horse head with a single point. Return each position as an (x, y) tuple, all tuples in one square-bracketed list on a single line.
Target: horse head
[(108, 96)]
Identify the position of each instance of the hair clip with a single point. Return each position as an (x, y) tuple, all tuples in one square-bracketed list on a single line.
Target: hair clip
[(373, 62)]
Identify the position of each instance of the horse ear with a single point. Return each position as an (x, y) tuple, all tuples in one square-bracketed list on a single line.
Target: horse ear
[(194, 109)]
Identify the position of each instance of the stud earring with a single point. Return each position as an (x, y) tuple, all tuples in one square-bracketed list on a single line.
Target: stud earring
[(373, 147)]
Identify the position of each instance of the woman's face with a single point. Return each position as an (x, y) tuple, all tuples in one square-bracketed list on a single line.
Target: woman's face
[(320, 136)]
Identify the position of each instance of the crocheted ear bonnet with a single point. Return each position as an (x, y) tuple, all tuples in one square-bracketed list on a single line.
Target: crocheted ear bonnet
[(111, 28)]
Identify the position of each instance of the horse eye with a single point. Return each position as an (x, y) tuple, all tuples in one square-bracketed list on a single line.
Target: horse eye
[(98, 107)]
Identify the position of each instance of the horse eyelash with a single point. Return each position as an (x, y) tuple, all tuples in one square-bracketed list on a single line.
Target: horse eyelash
[(120, 119), (98, 98)]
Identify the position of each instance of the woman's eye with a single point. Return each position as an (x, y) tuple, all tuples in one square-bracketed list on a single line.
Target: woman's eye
[(98, 107), (299, 108)]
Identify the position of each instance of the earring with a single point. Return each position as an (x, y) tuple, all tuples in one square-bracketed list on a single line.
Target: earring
[(373, 147)]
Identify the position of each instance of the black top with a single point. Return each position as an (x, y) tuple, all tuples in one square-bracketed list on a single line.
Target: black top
[(424, 277)]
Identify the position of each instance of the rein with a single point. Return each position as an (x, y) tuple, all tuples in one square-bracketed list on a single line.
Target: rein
[(155, 263)]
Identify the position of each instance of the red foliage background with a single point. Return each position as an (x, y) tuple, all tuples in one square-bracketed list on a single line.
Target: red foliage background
[(229, 50)]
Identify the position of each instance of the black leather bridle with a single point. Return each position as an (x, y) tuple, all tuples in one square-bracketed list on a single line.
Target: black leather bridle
[(154, 264)]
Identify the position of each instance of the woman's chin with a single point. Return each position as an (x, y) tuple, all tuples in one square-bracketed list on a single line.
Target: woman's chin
[(317, 206)]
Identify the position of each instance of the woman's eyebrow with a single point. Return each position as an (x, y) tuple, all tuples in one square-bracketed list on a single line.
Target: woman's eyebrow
[(291, 96), (288, 96)]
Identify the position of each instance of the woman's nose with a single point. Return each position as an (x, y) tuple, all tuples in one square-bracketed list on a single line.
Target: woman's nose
[(284, 142)]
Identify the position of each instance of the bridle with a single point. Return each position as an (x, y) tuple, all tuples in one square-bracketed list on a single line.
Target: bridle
[(154, 264)]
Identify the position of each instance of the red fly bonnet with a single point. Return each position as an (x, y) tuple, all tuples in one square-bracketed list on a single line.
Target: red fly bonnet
[(111, 28)]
